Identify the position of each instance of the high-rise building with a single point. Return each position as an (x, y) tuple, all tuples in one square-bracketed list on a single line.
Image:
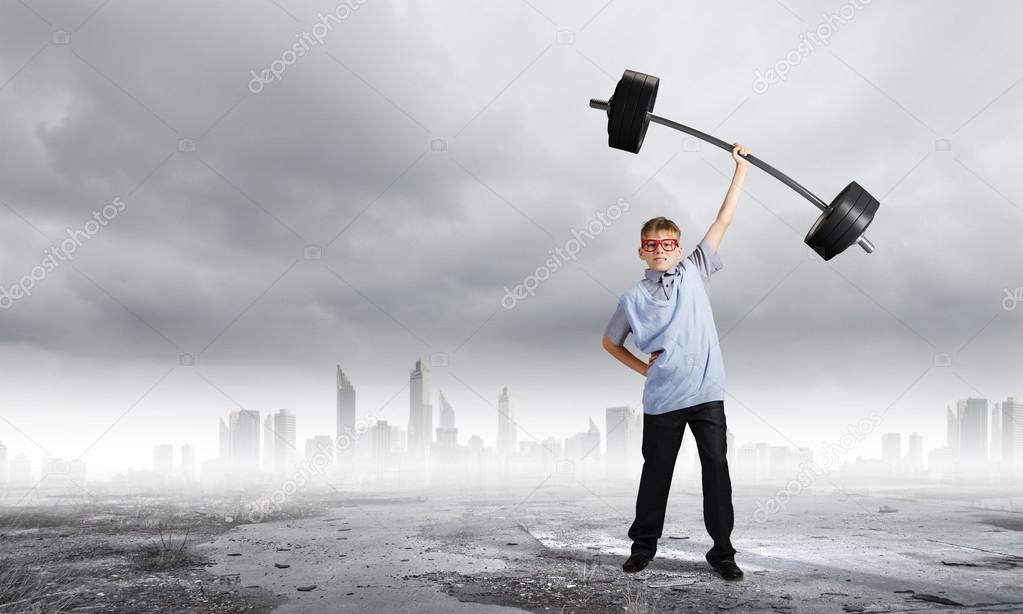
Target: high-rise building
[(317, 447), (163, 460), (382, 443), (973, 431), (284, 443), (447, 434), (21, 469), (952, 432), (891, 448), (225, 446), (915, 460), (245, 428), (268, 444), (188, 463), (507, 437), (584, 446), (996, 433), (619, 424), (447, 414), (345, 413), (1012, 433), (420, 422), (551, 450)]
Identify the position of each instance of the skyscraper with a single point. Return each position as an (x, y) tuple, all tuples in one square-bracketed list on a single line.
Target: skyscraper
[(317, 446), (619, 424), (20, 469), (584, 446), (225, 446), (187, 463), (1012, 433), (507, 437), (973, 431), (891, 448), (447, 414), (420, 421), (447, 434), (382, 442), (163, 460), (244, 425), (345, 412), (996, 433), (268, 444), (916, 452), (952, 432), (284, 443)]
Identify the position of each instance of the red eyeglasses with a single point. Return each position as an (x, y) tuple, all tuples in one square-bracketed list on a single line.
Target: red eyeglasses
[(650, 245)]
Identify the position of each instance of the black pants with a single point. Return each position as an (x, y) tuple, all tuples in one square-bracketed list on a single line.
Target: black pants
[(662, 436)]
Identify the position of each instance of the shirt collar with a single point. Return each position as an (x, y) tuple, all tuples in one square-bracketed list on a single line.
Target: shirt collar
[(657, 276)]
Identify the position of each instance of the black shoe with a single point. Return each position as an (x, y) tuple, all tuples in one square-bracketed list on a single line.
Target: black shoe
[(727, 569), (636, 563)]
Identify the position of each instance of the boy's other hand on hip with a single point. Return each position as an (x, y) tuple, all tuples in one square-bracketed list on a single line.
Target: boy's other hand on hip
[(650, 361)]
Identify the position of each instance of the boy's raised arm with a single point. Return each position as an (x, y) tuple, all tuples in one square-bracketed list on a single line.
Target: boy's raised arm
[(724, 218)]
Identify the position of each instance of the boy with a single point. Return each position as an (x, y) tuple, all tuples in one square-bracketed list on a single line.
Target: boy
[(668, 313)]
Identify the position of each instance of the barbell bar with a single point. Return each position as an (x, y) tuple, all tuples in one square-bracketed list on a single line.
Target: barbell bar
[(841, 223)]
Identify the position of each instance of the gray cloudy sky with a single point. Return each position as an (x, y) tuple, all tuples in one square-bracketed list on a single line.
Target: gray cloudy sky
[(104, 100)]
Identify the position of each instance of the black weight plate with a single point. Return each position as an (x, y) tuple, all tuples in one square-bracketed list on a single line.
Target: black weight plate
[(866, 206), (819, 236), (647, 106), (636, 129), (635, 115), (617, 112), (840, 237), (632, 87), (843, 205), (811, 236), (833, 231)]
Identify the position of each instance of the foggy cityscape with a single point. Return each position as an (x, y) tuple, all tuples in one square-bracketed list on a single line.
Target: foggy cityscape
[(395, 306), (983, 444)]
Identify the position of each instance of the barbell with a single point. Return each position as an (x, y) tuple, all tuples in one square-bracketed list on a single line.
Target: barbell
[(841, 223)]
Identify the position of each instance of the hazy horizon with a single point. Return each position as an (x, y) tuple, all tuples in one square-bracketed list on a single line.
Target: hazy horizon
[(372, 205)]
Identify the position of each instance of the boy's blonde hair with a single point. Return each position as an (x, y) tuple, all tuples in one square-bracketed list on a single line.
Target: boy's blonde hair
[(659, 224)]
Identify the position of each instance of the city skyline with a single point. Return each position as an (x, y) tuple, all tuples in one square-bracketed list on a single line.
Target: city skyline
[(230, 277), (979, 433)]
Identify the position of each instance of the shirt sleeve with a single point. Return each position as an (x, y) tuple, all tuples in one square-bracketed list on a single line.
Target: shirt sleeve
[(707, 261), (618, 328)]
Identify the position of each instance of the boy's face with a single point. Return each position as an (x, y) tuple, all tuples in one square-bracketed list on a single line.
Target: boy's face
[(660, 259)]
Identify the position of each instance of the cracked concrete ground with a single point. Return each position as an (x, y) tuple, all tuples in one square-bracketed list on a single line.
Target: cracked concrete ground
[(559, 548)]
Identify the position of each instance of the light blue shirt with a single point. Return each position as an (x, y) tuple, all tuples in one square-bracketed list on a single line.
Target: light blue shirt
[(690, 370)]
